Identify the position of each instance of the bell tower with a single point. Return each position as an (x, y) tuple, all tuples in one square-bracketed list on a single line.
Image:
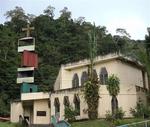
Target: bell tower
[(29, 62)]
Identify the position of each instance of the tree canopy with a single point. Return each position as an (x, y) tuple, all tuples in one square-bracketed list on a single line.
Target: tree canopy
[(58, 41)]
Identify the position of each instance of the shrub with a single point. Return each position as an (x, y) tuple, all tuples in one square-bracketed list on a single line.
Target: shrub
[(109, 116), (70, 114), (140, 111), (119, 113)]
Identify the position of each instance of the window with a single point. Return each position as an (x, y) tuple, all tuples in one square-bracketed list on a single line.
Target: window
[(31, 90), (77, 104), (114, 104), (143, 77), (75, 81), (84, 78), (94, 74), (103, 76), (41, 113), (66, 103), (57, 106)]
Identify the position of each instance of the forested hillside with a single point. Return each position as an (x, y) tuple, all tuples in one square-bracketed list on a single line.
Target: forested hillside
[(58, 41)]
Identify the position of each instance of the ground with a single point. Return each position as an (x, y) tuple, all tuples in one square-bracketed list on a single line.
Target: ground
[(8, 124), (103, 123), (89, 123)]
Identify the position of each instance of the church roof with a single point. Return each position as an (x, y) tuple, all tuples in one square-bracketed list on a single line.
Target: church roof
[(104, 58)]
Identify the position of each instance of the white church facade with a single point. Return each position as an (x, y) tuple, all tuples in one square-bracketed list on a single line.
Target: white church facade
[(38, 107)]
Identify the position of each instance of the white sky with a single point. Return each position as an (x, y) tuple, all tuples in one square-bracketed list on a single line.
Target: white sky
[(132, 15)]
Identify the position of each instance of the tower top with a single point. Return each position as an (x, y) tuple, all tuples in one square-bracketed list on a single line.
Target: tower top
[(28, 30)]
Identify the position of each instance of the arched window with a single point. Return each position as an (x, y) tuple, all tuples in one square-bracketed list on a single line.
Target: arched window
[(94, 74), (75, 81), (114, 104), (57, 106), (103, 76), (66, 103), (76, 101), (84, 78)]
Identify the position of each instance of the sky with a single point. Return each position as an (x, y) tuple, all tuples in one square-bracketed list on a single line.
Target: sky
[(132, 15)]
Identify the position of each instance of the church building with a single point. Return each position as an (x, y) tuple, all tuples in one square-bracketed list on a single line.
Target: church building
[(36, 108)]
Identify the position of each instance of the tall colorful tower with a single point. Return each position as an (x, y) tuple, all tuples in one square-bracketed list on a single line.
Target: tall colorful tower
[(33, 107), (29, 62)]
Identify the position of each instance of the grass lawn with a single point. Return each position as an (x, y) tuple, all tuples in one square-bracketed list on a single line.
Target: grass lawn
[(103, 123), (6, 124), (90, 123)]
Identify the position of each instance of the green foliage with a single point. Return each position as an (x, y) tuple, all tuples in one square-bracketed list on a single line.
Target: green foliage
[(113, 85), (70, 114), (108, 116), (113, 88), (91, 123), (119, 115), (58, 41), (91, 95), (141, 110)]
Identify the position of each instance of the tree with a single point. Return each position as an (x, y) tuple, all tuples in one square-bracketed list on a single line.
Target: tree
[(65, 13), (49, 11), (113, 89), (30, 17), (147, 43), (91, 88), (122, 32), (17, 13)]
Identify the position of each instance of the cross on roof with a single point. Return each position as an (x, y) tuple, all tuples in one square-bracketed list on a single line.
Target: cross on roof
[(28, 30)]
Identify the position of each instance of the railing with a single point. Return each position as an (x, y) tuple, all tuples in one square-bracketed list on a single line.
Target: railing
[(27, 123), (24, 122), (145, 123)]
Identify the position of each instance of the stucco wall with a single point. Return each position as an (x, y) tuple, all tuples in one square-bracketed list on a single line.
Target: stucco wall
[(70, 94), (127, 99), (41, 105), (128, 74), (16, 111), (67, 76)]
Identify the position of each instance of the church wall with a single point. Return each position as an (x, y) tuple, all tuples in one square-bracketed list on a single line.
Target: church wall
[(70, 94), (129, 75), (146, 80), (41, 105), (58, 80), (16, 111), (126, 99), (109, 65), (67, 76)]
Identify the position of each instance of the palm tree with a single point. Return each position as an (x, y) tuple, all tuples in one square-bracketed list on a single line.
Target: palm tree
[(113, 89), (147, 43)]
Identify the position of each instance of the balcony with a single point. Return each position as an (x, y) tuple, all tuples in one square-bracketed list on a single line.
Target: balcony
[(25, 75), (34, 96), (27, 43), (27, 80)]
